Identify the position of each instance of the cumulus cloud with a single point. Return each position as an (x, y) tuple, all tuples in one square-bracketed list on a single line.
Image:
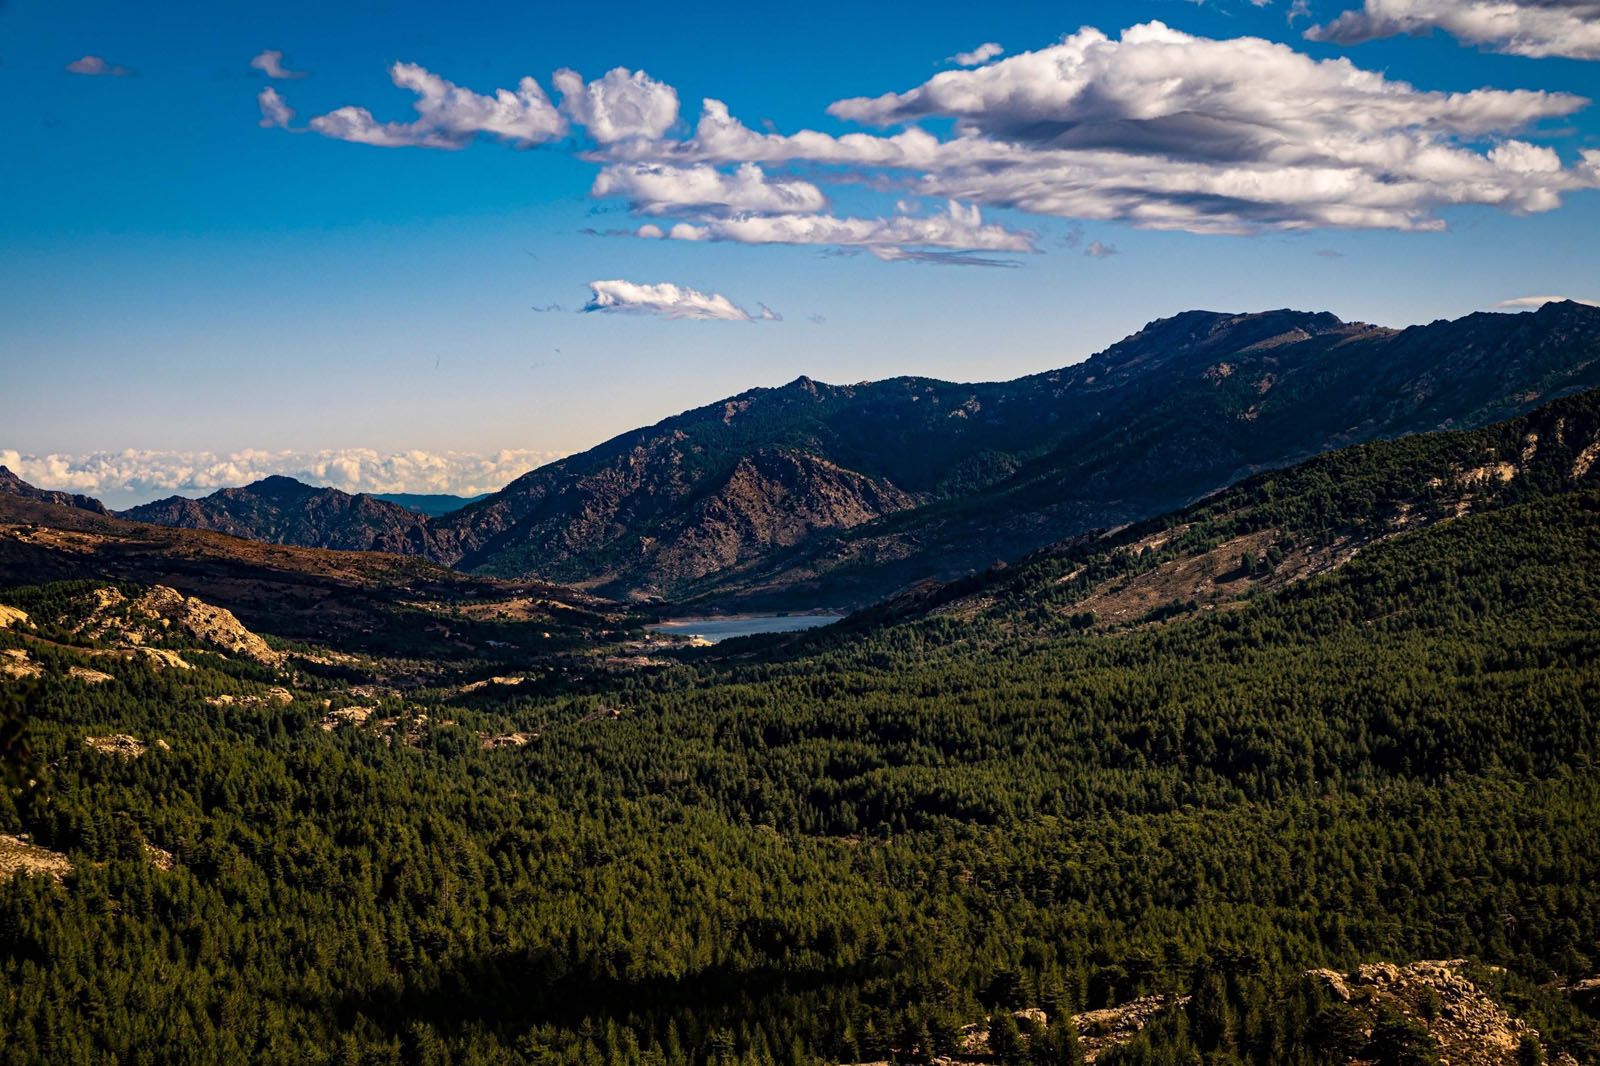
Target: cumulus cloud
[(1535, 28), (979, 55), (655, 189), (1155, 129), (274, 112), (449, 116), (666, 299), (97, 65), (960, 227), (1097, 250), (1165, 130), (132, 476), (1532, 303), (270, 63), (621, 105)]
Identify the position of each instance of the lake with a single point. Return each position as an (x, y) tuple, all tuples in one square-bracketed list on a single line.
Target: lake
[(717, 629)]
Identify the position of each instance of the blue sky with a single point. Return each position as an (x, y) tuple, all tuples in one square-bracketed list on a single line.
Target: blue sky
[(189, 298)]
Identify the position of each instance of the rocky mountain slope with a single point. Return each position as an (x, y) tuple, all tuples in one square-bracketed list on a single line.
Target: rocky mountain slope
[(12, 485), (1270, 531), (281, 510), (840, 494)]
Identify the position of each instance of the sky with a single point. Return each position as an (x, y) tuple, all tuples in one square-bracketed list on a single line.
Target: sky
[(426, 247)]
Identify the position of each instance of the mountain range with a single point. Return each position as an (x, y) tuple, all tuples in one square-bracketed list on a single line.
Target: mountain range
[(838, 495), (1154, 789)]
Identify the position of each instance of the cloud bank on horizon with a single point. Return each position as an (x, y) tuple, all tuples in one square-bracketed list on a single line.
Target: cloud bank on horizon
[(133, 476)]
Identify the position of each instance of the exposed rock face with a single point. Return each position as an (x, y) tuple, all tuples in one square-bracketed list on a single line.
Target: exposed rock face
[(1471, 1029), (16, 665), (1101, 1030), (18, 854), (279, 696), (119, 744), (12, 485), (136, 621), (11, 616)]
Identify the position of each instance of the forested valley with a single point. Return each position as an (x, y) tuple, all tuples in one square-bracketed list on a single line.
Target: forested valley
[(999, 803)]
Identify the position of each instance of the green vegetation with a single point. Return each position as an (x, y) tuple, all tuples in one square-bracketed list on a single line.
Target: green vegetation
[(846, 846)]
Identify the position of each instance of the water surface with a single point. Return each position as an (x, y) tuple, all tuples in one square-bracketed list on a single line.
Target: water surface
[(717, 629)]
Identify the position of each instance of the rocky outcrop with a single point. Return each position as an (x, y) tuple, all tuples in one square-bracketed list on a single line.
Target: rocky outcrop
[(136, 621), (1101, 1030), (121, 745), (281, 697), (17, 665), (1470, 1028), (16, 854)]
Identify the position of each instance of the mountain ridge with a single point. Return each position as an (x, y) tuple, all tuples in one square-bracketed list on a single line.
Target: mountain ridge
[(841, 494), (12, 485)]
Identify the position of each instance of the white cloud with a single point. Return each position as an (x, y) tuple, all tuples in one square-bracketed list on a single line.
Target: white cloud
[(1097, 250), (1165, 130), (270, 63), (665, 299), (1162, 90), (959, 228), (621, 105), (137, 476), (1156, 129), (1531, 303), (655, 189), (449, 116), (274, 112), (1535, 28), (979, 55), (97, 65)]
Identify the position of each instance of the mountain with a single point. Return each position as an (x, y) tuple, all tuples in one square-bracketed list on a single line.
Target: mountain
[(281, 510), (1173, 793), (12, 485), (430, 504), (838, 495), (1269, 531), (883, 484)]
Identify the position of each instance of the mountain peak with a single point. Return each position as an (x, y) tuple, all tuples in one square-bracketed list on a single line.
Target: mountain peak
[(281, 484), (283, 510)]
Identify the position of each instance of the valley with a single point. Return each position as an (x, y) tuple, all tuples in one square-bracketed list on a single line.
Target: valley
[(537, 535), (1210, 784)]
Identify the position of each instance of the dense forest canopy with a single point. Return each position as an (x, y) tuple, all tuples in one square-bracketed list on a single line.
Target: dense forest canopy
[(846, 846)]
